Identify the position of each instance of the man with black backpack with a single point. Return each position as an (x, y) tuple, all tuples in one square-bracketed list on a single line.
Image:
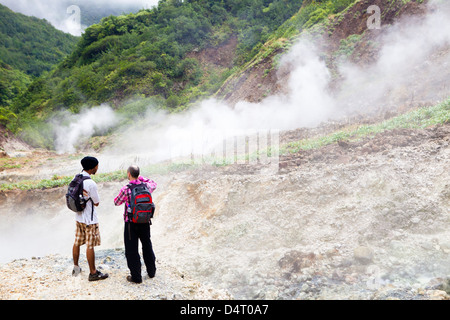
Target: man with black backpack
[(139, 209), (82, 197)]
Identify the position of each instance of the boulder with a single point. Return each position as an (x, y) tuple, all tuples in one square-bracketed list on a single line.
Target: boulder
[(363, 254)]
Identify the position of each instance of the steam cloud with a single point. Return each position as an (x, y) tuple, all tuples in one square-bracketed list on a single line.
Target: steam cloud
[(403, 65), (203, 128), (77, 128), (404, 61)]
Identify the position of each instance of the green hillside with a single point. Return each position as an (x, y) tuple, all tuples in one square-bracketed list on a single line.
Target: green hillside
[(155, 55), (146, 54), (31, 45), (13, 83)]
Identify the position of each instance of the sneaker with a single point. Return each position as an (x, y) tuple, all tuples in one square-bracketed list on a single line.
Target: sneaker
[(76, 271), (130, 279), (98, 276)]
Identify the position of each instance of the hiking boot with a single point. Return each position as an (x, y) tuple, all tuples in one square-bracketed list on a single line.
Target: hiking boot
[(130, 279), (98, 276), (76, 271)]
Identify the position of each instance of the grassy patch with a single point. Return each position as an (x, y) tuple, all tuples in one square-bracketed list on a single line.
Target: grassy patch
[(418, 119), (36, 184), (118, 175)]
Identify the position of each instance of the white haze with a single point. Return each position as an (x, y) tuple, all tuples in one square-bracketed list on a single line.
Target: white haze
[(75, 129), (405, 51), (43, 225), (162, 136)]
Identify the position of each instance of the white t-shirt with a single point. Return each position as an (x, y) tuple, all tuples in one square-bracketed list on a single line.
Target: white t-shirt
[(91, 188)]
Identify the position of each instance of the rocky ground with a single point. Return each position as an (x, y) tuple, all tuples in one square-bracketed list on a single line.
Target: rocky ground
[(426, 141), (49, 278), (352, 220), (359, 220)]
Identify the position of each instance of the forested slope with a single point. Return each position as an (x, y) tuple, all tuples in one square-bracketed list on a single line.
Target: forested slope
[(151, 54), (31, 45)]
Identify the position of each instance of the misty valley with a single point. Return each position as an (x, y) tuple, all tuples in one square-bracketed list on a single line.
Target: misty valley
[(300, 148)]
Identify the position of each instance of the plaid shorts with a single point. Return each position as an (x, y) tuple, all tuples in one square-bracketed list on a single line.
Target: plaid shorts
[(89, 235)]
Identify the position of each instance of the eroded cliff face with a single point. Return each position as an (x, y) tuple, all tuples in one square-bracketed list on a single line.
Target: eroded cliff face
[(345, 38), (354, 221)]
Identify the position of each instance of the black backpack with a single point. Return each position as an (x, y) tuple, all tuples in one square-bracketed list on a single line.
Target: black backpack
[(74, 196), (142, 208)]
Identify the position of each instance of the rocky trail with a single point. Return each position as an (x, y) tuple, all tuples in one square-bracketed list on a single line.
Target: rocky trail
[(49, 278)]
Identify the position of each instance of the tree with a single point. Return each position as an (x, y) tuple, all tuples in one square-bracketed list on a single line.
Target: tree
[(6, 115)]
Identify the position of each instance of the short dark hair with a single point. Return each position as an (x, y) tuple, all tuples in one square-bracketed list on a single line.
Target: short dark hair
[(134, 171), (89, 163)]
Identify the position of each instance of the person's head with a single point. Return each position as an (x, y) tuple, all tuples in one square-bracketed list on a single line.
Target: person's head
[(90, 165), (133, 172)]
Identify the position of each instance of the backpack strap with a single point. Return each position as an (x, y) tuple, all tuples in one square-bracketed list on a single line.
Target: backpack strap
[(92, 212), (130, 187), (89, 199)]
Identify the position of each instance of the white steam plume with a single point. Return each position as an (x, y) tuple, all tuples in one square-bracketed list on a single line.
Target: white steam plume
[(164, 136), (404, 64), (76, 129), (307, 101)]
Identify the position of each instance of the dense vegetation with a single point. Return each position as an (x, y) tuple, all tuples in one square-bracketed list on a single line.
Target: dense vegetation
[(13, 83), (31, 45)]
